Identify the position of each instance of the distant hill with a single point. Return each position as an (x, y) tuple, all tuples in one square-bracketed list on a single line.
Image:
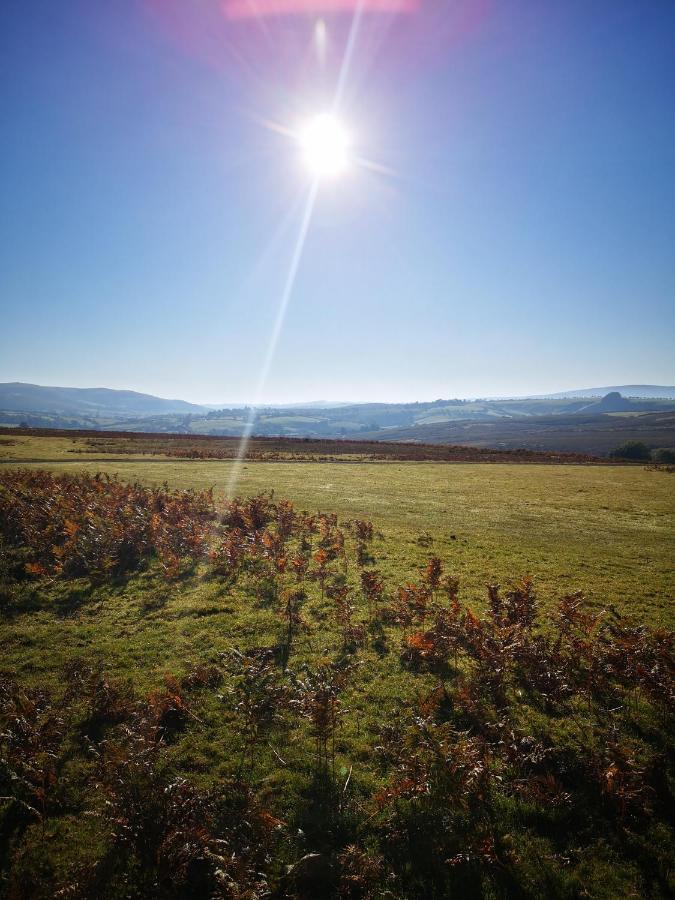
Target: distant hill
[(612, 402), (645, 391), (586, 424), (89, 402)]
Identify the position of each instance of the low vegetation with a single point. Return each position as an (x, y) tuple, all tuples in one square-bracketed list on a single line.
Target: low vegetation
[(332, 733), (78, 525), (274, 449)]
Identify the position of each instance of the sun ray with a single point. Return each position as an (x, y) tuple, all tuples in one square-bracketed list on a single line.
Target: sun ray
[(254, 12), (271, 125), (373, 166), (347, 58), (298, 251), (296, 258)]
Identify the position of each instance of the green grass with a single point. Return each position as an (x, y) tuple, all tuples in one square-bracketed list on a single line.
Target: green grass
[(604, 530)]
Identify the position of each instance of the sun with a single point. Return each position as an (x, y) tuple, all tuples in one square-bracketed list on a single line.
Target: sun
[(325, 146)]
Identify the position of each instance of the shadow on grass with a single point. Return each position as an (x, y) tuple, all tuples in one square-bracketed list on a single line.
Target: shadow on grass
[(62, 597), (378, 638), (327, 819), (71, 601)]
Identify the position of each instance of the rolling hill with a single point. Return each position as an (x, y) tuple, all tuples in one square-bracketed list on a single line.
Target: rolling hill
[(586, 424), (596, 434), (89, 402)]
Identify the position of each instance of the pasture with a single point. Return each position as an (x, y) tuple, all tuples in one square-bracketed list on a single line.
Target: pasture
[(359, 695), (604, 530)]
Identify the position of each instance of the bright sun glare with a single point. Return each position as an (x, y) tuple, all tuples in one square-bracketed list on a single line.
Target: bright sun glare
[(325, 146)]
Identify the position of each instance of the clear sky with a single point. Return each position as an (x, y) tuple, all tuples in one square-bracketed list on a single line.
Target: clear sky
[(516, 236)]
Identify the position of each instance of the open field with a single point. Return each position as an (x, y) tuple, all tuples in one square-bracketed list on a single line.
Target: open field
[(604, 530), (557, 791)]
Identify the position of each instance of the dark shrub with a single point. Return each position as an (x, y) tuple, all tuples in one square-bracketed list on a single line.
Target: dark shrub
[(664, 455), (631, 450)]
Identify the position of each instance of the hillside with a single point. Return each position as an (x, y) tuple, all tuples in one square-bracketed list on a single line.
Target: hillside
[(91, 403), (368, 418), (589, 425), (593, 433)]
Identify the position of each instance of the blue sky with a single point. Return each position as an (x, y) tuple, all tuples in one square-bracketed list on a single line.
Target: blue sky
[(524, 242)]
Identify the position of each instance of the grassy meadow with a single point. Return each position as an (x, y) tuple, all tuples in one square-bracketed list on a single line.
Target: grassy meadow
[(605, 531)]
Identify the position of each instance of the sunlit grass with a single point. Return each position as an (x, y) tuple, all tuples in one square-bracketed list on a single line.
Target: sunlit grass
[(604, 530)]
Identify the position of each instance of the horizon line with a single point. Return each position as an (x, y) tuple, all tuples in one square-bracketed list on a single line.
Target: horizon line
[(327, 403)]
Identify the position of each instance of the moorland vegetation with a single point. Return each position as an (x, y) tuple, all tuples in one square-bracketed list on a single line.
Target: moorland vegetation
[(338, 735)]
